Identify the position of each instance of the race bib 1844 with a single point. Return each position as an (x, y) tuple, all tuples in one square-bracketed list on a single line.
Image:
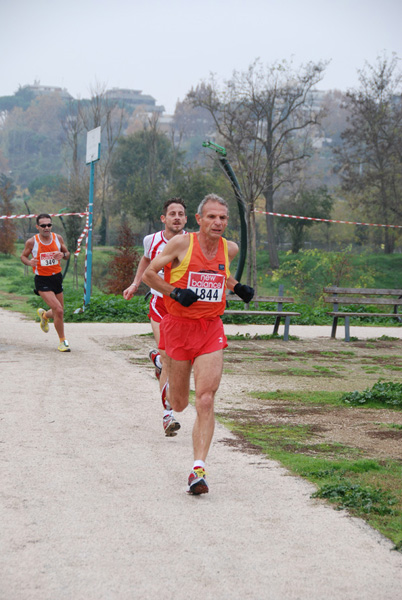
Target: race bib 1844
[(209, 287)]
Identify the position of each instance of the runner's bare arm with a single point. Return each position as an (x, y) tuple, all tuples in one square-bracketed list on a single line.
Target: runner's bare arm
[(233, 249), (142, 266), (29, 262), (173, 252), (64, 253)]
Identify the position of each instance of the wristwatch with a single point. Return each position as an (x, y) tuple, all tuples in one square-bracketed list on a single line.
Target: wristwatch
[(173, 294)]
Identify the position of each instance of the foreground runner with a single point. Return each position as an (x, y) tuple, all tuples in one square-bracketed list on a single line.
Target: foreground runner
[(196, 275), (47, 250), (174, 218)]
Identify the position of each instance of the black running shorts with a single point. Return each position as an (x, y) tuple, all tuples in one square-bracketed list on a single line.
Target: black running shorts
[(49, 283)]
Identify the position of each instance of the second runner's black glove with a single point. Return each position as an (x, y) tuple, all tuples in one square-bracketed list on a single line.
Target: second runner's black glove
[(245, 292), (185, 297)]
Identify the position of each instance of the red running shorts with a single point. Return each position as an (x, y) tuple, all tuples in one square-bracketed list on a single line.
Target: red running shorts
[(185, 339), (157, 309)]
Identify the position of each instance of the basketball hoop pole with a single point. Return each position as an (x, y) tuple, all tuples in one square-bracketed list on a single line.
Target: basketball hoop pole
[(93, 154)]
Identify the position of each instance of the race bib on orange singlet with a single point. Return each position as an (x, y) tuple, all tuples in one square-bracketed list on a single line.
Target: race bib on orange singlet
[(47, 259), (209, 287)]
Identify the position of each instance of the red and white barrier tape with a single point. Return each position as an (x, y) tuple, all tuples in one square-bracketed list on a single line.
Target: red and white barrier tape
[(83, 234), (83, 214), (325, 220)]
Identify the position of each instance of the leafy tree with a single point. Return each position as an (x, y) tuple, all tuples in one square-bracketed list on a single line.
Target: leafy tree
[(316, 203), (264, 117), (143, 170), (311, 270), (30, 139), (371, 154), (48, 184), (8, 234), (21, 99), (193, 183)]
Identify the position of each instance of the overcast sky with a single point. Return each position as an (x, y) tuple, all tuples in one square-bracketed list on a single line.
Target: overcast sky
[(164, 47)]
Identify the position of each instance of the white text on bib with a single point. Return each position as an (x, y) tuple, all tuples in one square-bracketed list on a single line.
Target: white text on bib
[(209, 287)]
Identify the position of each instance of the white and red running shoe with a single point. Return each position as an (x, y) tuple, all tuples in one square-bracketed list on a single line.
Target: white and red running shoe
[(156, 359), (170, 425), (197, 483)]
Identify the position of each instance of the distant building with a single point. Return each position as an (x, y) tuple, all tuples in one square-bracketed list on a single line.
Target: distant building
[(132, 99), (46, 90)]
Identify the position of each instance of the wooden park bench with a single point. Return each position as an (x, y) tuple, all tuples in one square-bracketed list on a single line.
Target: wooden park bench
[(279, 313), (338, 297)]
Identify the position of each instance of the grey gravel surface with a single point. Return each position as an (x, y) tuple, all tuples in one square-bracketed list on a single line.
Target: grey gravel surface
[(93, 496)]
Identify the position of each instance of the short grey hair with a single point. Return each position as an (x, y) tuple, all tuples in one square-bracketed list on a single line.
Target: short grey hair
[(211, 198)]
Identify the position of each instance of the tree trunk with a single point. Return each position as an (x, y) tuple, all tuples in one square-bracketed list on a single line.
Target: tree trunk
[(253, 252), (272, 249), (249, 248), (389, 242)]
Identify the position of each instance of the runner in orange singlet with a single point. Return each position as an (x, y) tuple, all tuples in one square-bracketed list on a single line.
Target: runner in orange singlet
[(196, 275), (47, 250)]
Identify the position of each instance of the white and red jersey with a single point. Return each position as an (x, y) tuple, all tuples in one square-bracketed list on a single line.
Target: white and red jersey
[(153, 245), (47, 264)]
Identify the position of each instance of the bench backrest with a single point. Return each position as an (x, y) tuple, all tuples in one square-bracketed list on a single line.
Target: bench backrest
[(371, 296), (231, 298), (280, 300)]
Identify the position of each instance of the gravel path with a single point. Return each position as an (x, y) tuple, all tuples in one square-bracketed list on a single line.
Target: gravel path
[(93, 503)]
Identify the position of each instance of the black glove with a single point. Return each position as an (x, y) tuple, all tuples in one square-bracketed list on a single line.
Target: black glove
[(245, 292), (185, 297)]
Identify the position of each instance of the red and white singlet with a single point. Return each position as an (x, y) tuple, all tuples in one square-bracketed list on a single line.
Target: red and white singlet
[(153, 245)]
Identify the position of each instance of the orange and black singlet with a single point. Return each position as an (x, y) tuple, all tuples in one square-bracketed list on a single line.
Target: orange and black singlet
[(47, 264), (207, 278)]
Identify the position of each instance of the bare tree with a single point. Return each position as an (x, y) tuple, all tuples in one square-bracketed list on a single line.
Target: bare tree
[(103, 113), (8, 232), (371, 155), (76, 189), (264, 116)]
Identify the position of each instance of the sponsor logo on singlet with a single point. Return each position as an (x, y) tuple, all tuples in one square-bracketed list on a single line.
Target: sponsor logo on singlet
[(209, 287)]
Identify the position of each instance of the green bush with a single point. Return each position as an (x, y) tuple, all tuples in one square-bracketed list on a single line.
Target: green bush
[(382, 392), (107, 309), (363, 498)]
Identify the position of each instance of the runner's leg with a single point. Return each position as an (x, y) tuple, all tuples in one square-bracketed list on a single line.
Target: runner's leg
[(207, 376), (164, 373), (56, 312), (179, 383)]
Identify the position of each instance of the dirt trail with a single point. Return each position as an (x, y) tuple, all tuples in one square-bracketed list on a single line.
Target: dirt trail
[(93, 503)]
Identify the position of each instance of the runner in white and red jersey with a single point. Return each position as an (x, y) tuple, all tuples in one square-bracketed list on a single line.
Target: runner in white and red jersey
[(47, 250), (174, 218)]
